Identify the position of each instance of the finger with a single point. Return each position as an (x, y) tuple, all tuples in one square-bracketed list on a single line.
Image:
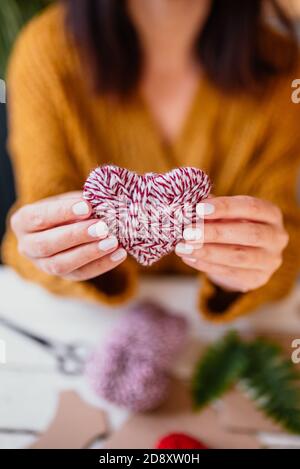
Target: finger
[(245, 233), (240, 207), (98, 267), (194, 233), (47, 214), (66, 262), (232, 233), (227, 283), (237, 256), (244, 279), (49, 242), (187, 249), (193, 239)]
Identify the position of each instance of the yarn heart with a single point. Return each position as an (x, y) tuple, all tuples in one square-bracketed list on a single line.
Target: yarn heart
[(147, 213)]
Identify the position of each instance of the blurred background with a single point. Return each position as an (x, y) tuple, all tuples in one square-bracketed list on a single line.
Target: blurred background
[(13, 15)]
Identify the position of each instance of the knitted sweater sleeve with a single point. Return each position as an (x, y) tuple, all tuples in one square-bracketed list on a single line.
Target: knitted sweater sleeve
[(41, 156), (274, 177)]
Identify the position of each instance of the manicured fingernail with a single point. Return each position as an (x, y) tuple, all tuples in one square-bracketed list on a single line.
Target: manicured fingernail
[(118, 255), (182, 248), (192, 234), (108, 244), (80, 209), (205, 209), (98, 230)]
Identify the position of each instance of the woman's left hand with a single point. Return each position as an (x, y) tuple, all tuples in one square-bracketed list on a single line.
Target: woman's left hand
[(243, 241)]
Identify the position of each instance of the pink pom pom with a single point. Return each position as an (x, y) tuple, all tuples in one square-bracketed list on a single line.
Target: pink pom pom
[(149, 212), (132, 369)]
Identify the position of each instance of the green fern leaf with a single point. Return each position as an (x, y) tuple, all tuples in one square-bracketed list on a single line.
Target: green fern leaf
[(274, 383), (218, 369)]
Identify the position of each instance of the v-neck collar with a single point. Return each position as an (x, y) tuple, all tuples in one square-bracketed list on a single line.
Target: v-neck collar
[(173, 150)]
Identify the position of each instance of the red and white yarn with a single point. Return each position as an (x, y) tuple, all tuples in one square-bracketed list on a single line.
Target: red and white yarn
[(146, 212)]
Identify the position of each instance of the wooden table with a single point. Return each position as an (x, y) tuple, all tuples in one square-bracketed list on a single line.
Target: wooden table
[(30, 382)]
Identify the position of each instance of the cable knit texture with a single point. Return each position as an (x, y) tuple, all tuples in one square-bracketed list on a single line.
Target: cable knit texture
[(59, 132), (148, 212)]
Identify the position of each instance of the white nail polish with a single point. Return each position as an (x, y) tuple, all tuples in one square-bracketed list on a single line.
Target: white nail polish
[(184, 249), (98, 230), (108, 244), (192, 234), (92, 231), (118, 255), (205, 209), (80, 209)]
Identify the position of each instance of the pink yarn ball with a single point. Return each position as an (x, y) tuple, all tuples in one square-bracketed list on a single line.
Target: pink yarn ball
[(127, 381), (132, 370)]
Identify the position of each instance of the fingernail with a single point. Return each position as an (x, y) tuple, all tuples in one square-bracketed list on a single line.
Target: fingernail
[(108, 244), (118, 255), (98, 230), (205, 209), (81, 208), (192, 234), (190, 259), (182, 248)]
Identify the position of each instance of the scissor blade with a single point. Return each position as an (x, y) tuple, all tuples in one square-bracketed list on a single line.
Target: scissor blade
[(20, 330)]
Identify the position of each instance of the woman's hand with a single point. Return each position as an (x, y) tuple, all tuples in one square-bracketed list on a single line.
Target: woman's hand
[(58, 236), (243, 241)]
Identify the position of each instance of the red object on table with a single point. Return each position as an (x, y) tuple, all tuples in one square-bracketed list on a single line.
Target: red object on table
[(179, 441)]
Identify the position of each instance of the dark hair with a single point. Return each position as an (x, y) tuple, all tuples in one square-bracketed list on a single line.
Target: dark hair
[(231, 46)]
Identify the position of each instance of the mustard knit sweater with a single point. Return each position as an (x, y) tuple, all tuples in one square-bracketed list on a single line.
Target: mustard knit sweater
[(59, 131)]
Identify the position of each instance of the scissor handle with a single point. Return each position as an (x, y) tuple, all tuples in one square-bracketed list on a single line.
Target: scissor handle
[(71, 358), (69, 367)]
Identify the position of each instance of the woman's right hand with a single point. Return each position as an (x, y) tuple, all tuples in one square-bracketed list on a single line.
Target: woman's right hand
[(58, 236)]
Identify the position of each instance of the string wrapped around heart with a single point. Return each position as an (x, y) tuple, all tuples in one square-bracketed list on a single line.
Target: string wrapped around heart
[(147, 213)]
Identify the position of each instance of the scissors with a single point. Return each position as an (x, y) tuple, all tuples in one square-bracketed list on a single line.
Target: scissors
[(70, 358)]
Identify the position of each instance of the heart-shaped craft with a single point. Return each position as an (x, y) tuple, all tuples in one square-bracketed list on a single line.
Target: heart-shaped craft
[(147, 213)]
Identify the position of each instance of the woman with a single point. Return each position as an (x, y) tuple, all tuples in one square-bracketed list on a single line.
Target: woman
[(150, 85)]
